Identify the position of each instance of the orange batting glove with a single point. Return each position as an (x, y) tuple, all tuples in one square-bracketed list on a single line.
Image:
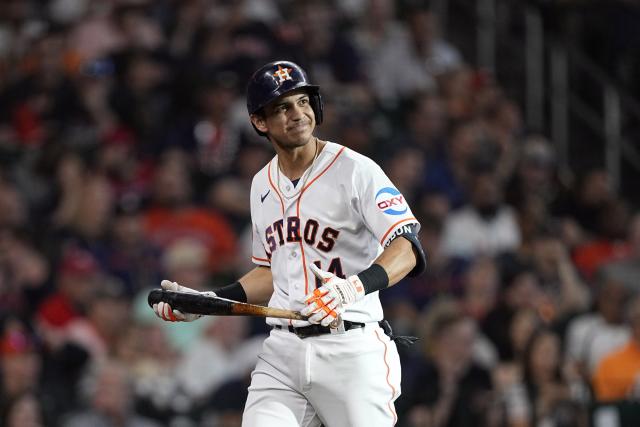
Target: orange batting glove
[(325, 304)]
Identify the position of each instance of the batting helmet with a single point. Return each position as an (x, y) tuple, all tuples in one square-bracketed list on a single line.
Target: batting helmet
[(277, 78)]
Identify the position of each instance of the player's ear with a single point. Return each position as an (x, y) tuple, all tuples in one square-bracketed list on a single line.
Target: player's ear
[(258, 120)]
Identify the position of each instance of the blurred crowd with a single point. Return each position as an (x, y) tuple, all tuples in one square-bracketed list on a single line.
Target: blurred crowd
[(126, 157)]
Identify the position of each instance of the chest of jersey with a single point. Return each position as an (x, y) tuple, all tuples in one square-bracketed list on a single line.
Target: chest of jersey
[(316, 214)]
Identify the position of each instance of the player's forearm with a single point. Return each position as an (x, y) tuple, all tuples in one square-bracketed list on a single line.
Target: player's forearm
[(398, 259), (258, 285)]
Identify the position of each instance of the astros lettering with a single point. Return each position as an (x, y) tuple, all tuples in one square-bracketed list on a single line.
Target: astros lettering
[(278, 233)]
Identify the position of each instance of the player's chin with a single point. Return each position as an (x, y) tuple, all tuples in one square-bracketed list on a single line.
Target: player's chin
[(300, 134)]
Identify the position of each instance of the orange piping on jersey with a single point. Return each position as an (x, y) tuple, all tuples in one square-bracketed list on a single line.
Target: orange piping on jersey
[(304, 263), (304, 260), (261, 259), (319, 175), (394, 226), (393, 389), (275, 189)]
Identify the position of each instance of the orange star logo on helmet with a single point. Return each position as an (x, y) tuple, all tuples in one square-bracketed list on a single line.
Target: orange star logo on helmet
[(283, 74)]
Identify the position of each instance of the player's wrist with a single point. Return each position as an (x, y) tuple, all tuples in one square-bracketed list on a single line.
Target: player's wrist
[(374, 278), (234, 292), (357, 288)]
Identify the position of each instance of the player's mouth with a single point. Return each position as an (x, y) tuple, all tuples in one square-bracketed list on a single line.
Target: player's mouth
[(298, 127)]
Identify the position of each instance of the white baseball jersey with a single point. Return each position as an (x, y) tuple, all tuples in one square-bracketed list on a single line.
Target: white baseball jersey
[(341, 214)]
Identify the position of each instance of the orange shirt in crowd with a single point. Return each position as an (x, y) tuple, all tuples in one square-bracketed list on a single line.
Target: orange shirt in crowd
[(617, 373), (166, 226)]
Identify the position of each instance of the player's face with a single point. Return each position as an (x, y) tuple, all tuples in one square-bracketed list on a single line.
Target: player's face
[(289, 120)]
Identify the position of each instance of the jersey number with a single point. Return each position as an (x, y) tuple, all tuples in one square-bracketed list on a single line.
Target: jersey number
[(335, 267)]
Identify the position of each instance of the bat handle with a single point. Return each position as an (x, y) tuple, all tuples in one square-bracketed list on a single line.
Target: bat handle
[(155, 296)]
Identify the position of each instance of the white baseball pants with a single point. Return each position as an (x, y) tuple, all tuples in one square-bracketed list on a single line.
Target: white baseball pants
[(337, 380)]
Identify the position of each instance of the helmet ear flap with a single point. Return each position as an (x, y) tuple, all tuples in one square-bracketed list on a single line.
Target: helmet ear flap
[(318, 107)]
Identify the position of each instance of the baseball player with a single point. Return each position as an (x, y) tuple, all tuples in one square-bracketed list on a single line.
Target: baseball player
[(329, 231)]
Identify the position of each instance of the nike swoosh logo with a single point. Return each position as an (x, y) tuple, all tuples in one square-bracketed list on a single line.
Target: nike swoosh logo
[(265, 196)]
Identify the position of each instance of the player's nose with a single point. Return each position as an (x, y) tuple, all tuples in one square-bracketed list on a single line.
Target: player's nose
[(297, 113)]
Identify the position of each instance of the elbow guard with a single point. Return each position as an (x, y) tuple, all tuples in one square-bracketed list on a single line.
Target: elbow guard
[(421, 257)]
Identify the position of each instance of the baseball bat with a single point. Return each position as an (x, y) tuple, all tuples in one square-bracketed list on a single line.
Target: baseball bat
[(203, 304)]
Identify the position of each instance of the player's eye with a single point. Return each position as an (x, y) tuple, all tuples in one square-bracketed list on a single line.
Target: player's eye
[(303, 101)]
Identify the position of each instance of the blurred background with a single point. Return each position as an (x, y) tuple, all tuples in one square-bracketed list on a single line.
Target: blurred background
[(126, 156)]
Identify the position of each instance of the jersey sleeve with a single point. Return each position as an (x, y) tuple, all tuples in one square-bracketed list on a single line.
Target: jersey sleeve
[(259, 255), (384, 208)]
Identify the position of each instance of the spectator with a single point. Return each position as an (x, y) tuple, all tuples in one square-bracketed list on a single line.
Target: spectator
[(394, 71), (212, 136), (625, 261), (329, 56), (227, 403), (502, 124), (229, 193), (130, 256), (21, 364), (585, 203), (547, 388), (608, 243), (109, 399), (534, 174), (173, 215), (404, 168), (426, 124), (147, 351), (520, 291), (225, 340), (76, 280), (185, 260), (138, 100), (450, 174), (107, 314), (486, 226), (128, 174), (457, 88), (24, 411), (446, 388), (24, 272), (534, 187), (83, 214), (565, 293), (13, 209), (592, 335), (480, 287), (617, 376)]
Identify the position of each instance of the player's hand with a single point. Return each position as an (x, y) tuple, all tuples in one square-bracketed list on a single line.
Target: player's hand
[(326, 303), (164, 310)]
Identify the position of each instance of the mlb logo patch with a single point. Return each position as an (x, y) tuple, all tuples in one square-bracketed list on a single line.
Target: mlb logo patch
[(391, 202)]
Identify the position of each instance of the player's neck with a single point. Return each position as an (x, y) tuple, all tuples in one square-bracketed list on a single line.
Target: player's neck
[(294, 162)]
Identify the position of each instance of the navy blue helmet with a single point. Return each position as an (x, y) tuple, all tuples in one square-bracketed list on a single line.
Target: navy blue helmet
[(277, 78)]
